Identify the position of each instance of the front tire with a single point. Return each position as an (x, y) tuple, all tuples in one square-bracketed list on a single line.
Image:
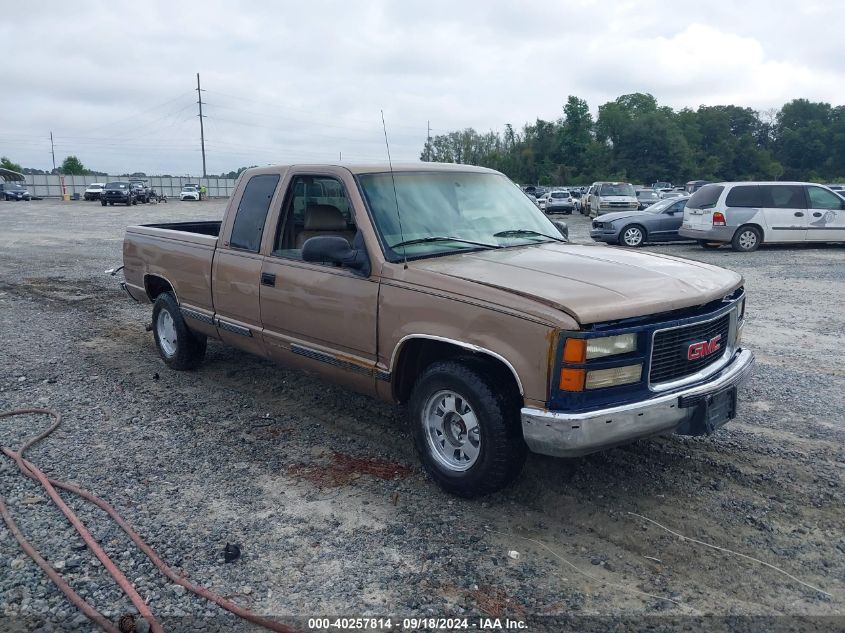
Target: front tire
[(632, 236), (178, 347), (466, 429), (747, 239)]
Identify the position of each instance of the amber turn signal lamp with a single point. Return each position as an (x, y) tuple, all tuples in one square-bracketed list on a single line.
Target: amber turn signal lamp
[(575, 350), (572, 379)]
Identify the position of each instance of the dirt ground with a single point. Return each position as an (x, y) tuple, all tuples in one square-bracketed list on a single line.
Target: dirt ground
[(321, 488)]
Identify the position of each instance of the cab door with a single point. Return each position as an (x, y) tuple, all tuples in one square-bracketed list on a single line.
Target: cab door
[(236, 270), (827, 215), (319, 317)]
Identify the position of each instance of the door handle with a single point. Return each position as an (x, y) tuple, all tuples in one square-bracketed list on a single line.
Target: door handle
[(817, 214), (268, 279), (799, 214)]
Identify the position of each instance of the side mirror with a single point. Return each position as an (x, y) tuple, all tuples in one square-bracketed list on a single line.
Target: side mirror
[(562, 228), (335, 250)]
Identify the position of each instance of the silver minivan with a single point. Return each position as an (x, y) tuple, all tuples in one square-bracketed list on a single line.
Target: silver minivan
[(747, 214)]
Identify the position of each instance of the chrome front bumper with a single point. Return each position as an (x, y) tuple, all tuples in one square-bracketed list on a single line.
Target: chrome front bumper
[(573, 434)]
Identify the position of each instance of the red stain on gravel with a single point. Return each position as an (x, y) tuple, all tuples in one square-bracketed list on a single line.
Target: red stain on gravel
[(344, 469)]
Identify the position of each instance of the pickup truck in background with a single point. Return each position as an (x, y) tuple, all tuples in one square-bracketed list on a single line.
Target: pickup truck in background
[(444, 287)]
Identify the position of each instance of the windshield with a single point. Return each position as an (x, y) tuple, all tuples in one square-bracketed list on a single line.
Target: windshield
[(647, 195), (560, 194), (189, 188), (474, 207), (619, 189), (117, 185), (14, 186), (659, 207)]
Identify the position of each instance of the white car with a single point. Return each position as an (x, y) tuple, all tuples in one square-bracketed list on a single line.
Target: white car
[(189, 193), (94, 191)]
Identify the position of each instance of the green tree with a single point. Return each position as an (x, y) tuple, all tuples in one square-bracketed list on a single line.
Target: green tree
[(5, 163), (73, 167)]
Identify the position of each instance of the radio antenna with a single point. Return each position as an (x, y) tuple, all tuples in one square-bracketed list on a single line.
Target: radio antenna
[(395, 196)]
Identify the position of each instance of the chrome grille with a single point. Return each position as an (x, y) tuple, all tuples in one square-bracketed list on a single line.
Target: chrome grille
[(669, 359)]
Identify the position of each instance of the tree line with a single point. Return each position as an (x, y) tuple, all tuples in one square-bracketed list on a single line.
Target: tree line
[(636, 140), (72, 166)]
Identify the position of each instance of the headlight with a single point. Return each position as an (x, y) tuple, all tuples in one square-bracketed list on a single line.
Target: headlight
[(615, 376), (579, 350), (611, 345)]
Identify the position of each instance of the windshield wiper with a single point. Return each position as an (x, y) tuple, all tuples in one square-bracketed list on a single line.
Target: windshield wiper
[(518, 232), (442, 238)]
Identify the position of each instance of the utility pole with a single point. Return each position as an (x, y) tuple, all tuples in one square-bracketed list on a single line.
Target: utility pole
[(202, 131), (53, 150), (428, 143)]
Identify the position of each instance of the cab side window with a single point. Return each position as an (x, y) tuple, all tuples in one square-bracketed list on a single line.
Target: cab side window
[(252, 212), (824, 199), (313, 206)]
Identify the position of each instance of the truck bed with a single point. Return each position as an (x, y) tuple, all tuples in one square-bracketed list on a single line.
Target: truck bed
[(203, 227), (159, 250)]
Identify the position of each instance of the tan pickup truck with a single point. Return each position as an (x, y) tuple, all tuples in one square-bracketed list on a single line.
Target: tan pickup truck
[(443, 286)]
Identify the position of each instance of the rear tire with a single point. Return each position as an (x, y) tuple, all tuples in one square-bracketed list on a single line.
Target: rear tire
[(466, 428), (103, 203), (179, 347), (747, 239), (709, 246)]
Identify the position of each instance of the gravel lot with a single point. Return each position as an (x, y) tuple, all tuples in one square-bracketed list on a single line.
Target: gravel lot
[(322, 491)]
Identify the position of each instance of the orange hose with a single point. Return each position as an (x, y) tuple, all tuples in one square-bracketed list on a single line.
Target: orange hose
[(90, 612), (49, 484)]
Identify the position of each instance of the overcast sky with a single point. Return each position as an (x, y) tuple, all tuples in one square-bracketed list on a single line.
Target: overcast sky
[(305, 81)]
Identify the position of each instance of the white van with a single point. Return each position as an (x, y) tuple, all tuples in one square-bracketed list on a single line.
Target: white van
[(747, 214)]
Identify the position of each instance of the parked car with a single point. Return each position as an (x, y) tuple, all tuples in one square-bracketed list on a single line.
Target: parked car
[(612, 196), (143, 192), (119, 191), (499, 336), (94, 191), (560, 201), (14, 191), (647, 197), (189, 192), (671, 194), (747, 214), (658, 223), (694, 185)]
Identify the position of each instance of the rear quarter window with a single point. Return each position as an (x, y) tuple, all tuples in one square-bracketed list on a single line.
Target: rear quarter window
[(252, 212), (706, 197), (745, 196)]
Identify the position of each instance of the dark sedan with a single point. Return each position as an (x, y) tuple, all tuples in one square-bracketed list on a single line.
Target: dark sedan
[(658, 223), (14, 191)]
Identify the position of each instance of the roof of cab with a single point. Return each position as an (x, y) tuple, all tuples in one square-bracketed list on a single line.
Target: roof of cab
[(377, 168)]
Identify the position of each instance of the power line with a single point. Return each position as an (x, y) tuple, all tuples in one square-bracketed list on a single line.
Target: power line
[(277, 105)]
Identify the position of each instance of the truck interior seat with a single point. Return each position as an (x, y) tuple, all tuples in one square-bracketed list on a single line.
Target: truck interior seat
[(323, 219)]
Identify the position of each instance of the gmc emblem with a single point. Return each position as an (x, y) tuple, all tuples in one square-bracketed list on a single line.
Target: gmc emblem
[(704, 348)]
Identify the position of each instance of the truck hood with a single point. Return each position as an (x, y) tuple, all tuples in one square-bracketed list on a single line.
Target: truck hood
[(591, 283)]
